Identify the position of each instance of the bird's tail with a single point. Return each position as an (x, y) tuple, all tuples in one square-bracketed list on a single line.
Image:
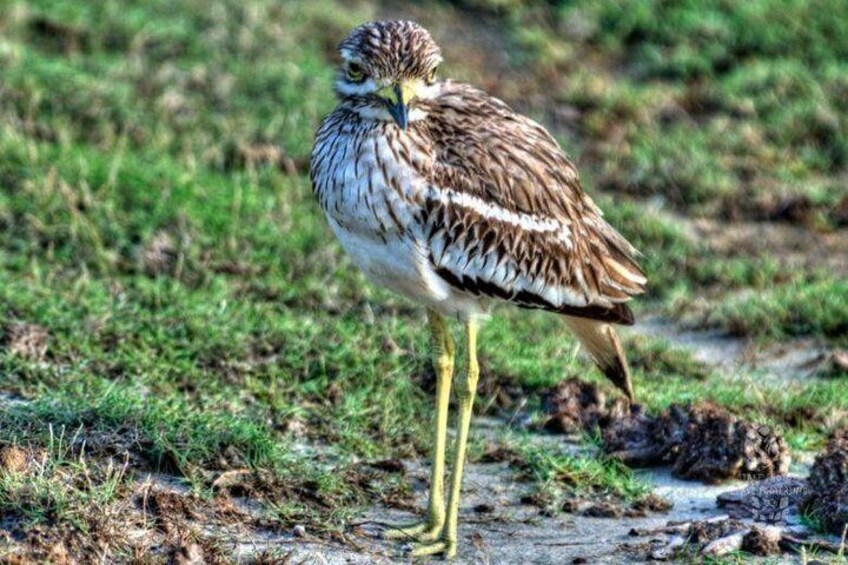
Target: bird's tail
[(601, 342)]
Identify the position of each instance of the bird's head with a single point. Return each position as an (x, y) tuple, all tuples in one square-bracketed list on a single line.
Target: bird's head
[(388, 68)]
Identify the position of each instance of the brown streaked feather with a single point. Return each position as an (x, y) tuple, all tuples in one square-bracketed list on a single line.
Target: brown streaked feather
[(485, 151)]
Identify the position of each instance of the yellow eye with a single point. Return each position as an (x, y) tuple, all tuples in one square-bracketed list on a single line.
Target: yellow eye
[(354, 72), (431, 78)]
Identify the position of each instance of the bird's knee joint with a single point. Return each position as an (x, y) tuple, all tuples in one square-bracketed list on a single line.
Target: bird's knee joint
[(462, 394), (444, 365), (465, 389)]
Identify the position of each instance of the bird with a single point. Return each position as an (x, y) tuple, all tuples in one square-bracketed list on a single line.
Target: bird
[(447, 196)]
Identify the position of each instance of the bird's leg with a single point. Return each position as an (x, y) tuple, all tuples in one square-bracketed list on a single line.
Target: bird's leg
[(465, 392), (444, 359)]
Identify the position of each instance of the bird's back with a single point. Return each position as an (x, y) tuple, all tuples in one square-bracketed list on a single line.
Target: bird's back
[(508, 217)]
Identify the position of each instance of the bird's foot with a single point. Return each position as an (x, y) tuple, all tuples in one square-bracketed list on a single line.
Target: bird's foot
[(421, 531), (441, 546)]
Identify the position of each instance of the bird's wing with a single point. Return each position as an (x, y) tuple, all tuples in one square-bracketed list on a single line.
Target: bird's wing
[(506, 216)]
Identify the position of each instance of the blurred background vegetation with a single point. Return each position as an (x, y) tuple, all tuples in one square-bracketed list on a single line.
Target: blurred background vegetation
[(169, 288)]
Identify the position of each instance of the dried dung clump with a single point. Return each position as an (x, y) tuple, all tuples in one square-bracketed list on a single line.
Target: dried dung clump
[(828, 484), (702, 441), (643, 441), (719, 446), (576, 405)]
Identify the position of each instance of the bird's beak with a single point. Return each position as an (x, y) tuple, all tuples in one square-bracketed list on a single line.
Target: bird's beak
[(396, 98)]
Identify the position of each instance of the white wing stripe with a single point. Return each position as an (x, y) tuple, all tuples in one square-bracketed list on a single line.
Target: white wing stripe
[(527, 222)]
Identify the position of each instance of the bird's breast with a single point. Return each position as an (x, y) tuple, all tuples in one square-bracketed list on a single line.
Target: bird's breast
[(368, 182)]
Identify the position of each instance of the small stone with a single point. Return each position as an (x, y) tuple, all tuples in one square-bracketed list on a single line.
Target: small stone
[(189, 554), (299, 531), (666, 551), (762, 541), (725, 545)]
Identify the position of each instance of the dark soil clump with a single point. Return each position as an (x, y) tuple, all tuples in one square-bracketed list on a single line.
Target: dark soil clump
[(604, 510), (828, 485), (705, 531), (702, 441), (652, 503)]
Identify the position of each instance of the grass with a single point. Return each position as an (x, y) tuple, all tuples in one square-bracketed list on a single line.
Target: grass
[(559, 475), (170, 290), (64, 485), (819, 307)]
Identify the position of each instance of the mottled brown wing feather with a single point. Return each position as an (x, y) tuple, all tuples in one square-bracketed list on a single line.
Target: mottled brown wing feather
[(508, 218)]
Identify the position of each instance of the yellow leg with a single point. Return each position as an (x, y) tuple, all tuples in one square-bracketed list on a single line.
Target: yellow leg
[(465, 391), (445, 350)]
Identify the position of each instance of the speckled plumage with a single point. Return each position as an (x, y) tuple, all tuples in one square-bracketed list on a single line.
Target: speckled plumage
[(474, 202)]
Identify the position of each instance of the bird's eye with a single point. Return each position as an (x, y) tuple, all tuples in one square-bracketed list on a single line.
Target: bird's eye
[(431, 78), (355, 72)]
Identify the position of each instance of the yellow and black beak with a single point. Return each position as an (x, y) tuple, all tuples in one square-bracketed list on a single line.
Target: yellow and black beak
[(396, 98)]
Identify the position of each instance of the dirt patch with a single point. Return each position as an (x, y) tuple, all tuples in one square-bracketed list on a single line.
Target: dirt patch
[(795, 247), (703, 441), (13, 459), (795, 209), (827, 501), (59, 37), (649, 505), (25, 340), (380, 480), (169, 509), (834, 364), (159, 255), (712, 537)]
